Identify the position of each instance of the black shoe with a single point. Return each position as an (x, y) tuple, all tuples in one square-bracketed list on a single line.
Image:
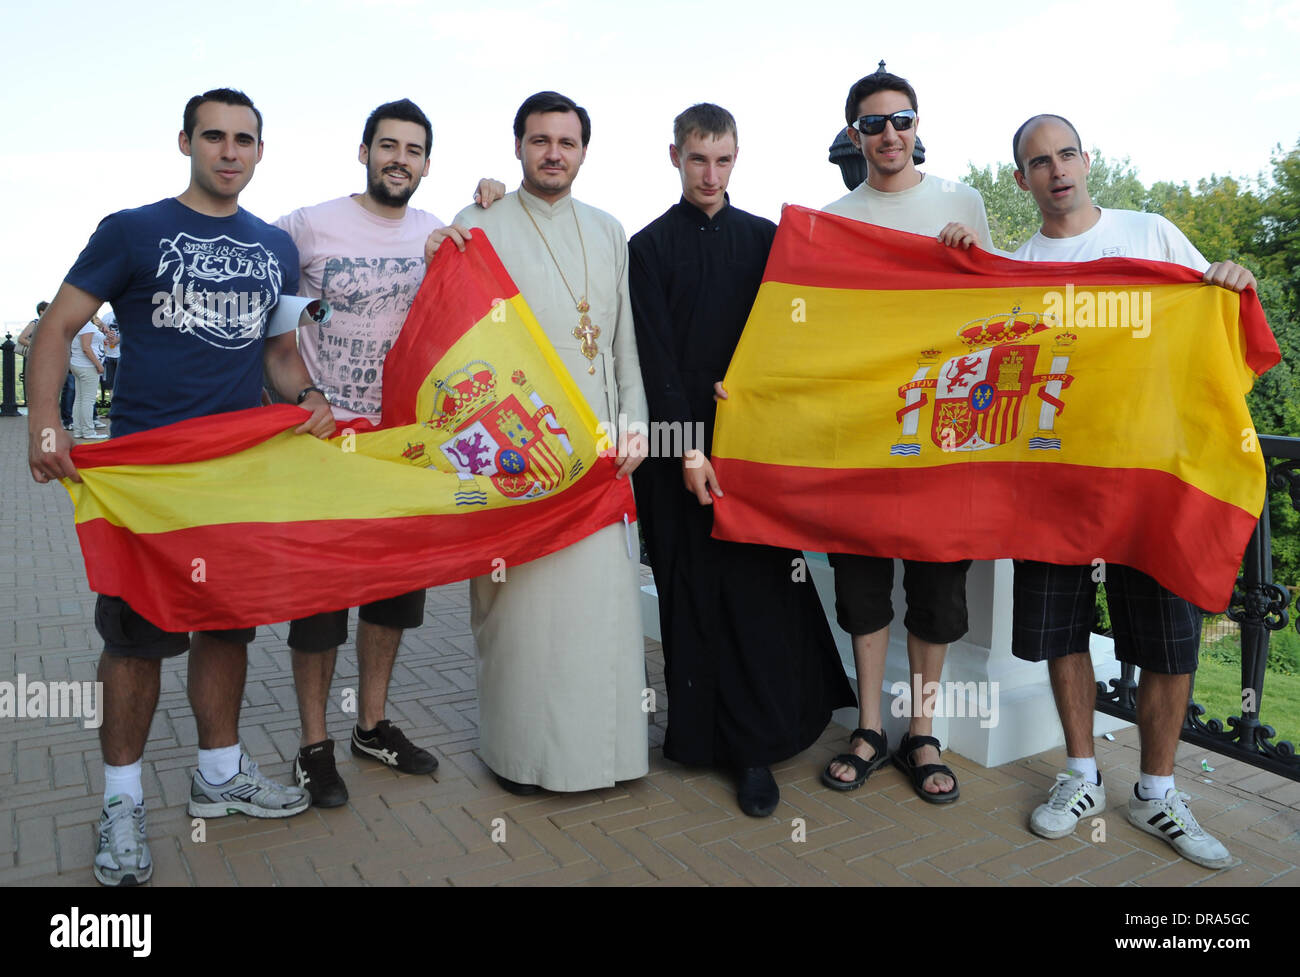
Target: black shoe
[(757, 792), (314, 770), (389, 745), (515, 787)]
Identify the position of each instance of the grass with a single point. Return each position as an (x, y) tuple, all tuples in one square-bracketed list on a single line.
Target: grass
[(1218, 682)]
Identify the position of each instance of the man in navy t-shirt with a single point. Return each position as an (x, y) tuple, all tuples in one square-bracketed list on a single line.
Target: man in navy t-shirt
[(192, 280)]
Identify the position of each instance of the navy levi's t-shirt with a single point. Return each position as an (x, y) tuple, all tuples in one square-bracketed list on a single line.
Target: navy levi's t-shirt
[(192, 295)]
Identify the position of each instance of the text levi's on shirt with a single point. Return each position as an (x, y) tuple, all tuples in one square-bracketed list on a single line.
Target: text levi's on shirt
[(192, 295)]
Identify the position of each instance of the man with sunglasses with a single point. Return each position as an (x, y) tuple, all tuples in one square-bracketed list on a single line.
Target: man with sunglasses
[(881, 111), (1156, 630)]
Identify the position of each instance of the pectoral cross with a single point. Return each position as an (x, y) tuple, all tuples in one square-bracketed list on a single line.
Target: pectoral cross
[(588, 333)]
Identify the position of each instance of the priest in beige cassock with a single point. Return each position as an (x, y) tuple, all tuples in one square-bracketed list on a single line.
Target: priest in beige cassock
[(561, 675)]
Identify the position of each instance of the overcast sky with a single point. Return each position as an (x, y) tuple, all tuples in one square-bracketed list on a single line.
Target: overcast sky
[(92, 96)]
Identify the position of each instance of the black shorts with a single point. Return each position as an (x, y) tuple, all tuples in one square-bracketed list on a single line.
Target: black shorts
[(130, 635), (323, 632), (936, 596), (1054, 607)]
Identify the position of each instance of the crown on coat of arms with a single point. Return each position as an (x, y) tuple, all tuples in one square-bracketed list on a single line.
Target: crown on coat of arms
[(1000, 329), (463, 394)]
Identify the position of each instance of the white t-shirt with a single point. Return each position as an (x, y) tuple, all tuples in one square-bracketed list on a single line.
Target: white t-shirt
[(368, 268), (1117, 234), (115, 350), (77, 356), (922, 209)]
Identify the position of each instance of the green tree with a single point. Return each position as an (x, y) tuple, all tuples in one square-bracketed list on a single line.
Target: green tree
[(1013, 215)]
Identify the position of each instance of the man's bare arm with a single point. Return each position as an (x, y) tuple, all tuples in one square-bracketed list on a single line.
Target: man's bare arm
[(288, 374), (48, 444)]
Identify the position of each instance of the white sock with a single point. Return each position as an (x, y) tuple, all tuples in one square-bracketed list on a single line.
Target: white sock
[(124, 780), (1153, 788), (1086, 765), (218, 766)]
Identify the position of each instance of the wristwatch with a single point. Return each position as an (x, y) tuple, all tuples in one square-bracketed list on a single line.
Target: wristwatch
[(302, 394)]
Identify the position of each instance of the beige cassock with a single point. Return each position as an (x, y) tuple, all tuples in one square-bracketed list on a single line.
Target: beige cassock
[(561, 674)]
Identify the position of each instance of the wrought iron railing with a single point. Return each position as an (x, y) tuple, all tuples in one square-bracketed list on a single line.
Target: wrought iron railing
[(1259, 607)]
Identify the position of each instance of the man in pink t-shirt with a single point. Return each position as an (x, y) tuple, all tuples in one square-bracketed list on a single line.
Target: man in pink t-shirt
[(363, 254)]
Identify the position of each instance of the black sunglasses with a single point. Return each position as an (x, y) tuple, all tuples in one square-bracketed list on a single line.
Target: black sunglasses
[(872, 125)]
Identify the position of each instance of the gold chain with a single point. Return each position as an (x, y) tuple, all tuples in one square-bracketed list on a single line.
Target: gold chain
[(585, 280)]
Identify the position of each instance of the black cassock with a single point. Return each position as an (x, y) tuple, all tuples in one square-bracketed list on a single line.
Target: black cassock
[(752, 669)]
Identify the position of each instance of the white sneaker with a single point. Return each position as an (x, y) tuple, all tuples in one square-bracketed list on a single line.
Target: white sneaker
[(1171, 819), (247, 792), (93, 436), (100, 424), (123, 855), (1072, 797)]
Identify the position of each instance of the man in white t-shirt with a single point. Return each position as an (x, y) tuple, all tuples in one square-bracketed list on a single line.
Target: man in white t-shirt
[(86, 367), (881, 111), (364, 255), (1155, 630)]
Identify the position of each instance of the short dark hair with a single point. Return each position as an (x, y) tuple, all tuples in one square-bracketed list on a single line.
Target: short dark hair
[(41, 307), (705, 119), (227, 96), (551, 102), (868, 85), (1015, 140), (403, 110)]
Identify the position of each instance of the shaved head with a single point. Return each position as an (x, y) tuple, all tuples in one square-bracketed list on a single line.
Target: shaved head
[(1029, 125)]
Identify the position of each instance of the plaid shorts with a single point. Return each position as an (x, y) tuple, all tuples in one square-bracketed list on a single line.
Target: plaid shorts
[(1054, 608)]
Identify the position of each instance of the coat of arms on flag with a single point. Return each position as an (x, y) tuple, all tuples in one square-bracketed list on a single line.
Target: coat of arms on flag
[(980, 393), (486, 432)]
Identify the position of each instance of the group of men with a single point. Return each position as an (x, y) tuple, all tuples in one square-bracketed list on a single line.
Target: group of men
[(752, 670)]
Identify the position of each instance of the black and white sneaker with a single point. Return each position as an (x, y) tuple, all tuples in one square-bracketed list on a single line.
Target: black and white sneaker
[(315, 772), (1170, 818), (389, 745), (1073, 797)]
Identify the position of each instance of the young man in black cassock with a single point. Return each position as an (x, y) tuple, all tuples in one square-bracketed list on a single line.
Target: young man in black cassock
[(752, 670)]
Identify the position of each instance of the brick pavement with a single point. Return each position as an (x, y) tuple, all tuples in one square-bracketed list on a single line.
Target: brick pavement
[(676, 826)]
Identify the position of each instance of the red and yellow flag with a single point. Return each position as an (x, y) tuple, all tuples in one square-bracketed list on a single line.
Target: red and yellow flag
[(894, 397), (487, 456)]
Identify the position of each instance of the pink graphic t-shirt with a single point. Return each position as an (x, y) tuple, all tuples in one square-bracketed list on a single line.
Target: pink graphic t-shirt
[(368, 268)]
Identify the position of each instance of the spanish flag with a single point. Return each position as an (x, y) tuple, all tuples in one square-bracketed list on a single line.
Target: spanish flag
[(894, 397), (486, 456)]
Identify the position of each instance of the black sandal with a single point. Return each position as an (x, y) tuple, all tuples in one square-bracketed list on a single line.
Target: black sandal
[(918, 774), (862, 769)]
